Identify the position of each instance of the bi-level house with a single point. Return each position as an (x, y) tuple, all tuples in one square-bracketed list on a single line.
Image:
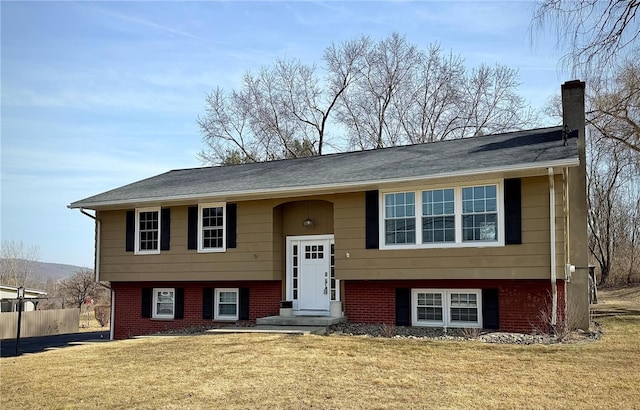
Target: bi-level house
[(485, 232)]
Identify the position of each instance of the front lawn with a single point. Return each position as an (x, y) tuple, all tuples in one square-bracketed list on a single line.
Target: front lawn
[(273, 371)]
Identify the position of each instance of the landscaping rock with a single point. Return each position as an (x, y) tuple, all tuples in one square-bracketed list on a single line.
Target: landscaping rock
[(434, 333)]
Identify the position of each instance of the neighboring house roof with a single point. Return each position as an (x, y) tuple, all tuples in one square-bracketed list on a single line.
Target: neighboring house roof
[(538, 148), (14, 289)]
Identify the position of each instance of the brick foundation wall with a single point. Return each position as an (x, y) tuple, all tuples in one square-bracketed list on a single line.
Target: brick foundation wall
[(520, 301), (264, 300)]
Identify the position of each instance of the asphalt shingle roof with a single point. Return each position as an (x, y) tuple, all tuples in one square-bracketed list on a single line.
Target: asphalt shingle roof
[(472, 155)]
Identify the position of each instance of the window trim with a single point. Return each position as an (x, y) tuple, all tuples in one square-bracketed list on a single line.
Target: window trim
[(216, 303), (154, 306), (446, 308), (137, 250), (459, 243), (201, 207)]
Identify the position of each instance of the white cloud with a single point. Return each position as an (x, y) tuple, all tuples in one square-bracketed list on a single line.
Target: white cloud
[(128, 22)]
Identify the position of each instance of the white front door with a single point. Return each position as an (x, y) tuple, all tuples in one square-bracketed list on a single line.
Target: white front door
[(310, 273), (314, 275)]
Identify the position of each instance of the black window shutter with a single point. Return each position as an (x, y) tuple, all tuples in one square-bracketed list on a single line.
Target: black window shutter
[(232, 224), (192, 228), (179, 312), (131, 231), (165, 226), (207, 303), (403, 307), (371, 220), (147, 296), (513, 211), (490, 309), (243, 313)]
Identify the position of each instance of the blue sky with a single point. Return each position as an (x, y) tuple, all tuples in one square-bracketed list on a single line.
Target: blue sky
[(96, 95)]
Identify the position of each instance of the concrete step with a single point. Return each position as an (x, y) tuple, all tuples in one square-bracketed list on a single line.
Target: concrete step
[(299, 320), (287, 330)]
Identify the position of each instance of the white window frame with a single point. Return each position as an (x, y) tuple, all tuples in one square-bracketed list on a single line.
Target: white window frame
[(216, 314), (139, 251), (446, 308), (154, 309), (459, 243), (201, 207)]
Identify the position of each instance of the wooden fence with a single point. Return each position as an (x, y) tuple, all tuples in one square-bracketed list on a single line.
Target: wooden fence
[(39, 323)]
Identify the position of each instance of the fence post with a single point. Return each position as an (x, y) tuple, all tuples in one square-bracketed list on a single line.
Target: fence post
[(20, 297)]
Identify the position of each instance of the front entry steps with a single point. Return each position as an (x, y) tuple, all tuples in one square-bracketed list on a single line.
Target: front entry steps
[(300, 320)]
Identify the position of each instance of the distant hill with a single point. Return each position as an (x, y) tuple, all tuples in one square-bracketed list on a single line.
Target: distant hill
[(55, 271)]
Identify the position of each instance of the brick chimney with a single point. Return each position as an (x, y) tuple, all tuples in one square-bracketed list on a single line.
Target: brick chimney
[(573, 116), (573, 112)]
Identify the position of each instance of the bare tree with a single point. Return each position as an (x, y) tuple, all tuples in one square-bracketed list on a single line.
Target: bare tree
[(613, 177), (78, 287), (225, 129), (491, 104), (430, 110), (17, 263), (594, 31), (380, 93), (280, 112), (614, 181), (365, 111), (633, 267), (615, 106), (606, 176), (429, 97), (614, 116)]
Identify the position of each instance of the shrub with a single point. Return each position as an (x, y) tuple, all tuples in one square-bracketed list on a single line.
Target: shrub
[(103, 314)]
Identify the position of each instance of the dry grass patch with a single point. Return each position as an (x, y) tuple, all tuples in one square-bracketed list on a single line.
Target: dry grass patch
[(272, 371), (618, 301)]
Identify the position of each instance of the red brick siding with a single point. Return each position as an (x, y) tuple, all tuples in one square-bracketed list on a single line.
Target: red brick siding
[(264, 300), (520, 301)]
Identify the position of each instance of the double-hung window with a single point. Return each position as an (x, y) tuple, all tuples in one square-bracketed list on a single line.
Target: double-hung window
[(211, 227), (226, 304), (400, 218), (164, 302), (447, 307), (147, 234), (444, 217), (438, 216), (480, 213), (429, 307)]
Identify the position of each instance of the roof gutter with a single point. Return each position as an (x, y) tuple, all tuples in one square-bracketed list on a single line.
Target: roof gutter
[(96, 262), (312, 189)]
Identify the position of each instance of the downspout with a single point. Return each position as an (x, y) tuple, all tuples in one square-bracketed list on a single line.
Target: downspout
[(113, 315), (552, 229), (569, 268), (97, 257)]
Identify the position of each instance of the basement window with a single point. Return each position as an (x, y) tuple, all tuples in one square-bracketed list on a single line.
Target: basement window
[(226, 304), (458, 308), (164, 302)]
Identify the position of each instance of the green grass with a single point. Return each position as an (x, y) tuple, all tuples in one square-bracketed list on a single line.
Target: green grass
[(300, 372)]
